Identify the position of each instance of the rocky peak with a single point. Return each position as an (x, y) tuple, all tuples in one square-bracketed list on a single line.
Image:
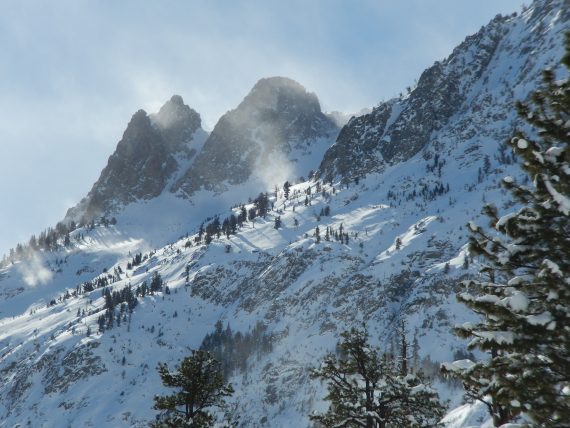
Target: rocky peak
[(282, 95), (457, 97), (397, 130), (145, 159), (136, 136), (277, 117), (176, 121)]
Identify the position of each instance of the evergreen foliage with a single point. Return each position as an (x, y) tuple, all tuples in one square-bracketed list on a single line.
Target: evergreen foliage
[(262, 204), (233, 349), (286, 189), (156, 282), (199, 387), (119, 305), (368, 390), (137, 260), (525, 302), (53, 239)]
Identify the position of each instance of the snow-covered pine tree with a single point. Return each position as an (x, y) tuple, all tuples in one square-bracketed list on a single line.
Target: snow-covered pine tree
[(200, 387), (525, 304), (369, 390)]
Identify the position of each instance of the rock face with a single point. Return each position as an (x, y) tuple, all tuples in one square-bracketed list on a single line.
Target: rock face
[(486, 65), (177, 123), (144, 160), (275, 118), (278, 126)]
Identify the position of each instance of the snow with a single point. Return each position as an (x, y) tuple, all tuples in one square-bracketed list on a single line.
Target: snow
[(466, 416), (552, 267), (472, 226), (562, 201), (305, 292), (522, 144), (500, 337), (458, 366), (539, 319), (505, 219), (518, 302), (553, 152)]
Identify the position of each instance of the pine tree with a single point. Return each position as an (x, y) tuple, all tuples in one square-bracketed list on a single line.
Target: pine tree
[(156, 282), (525, 303), (286, 189), (242, 218), (200, 232), (398, 243), (200, 386), (277, 224), (367, 390), (252, 213), (402, 332), (262, 204)]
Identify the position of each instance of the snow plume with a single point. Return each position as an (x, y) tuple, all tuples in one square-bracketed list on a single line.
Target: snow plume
[(33, 270), (274, 169)]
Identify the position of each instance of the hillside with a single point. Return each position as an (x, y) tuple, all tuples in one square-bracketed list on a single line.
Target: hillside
[(390, 199)]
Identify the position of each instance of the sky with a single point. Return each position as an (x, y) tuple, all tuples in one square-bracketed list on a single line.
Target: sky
[(72, 73)]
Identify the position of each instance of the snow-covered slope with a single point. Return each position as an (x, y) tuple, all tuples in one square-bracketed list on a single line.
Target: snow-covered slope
[(469, 96), (402, 255), (167, 174)]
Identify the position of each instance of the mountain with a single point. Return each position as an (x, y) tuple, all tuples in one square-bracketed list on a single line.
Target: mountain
[(277, 123), (150, 152), (167, 174), (479, 81), (272, 301)]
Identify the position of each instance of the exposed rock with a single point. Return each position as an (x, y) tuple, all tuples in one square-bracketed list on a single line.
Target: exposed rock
[(277, 116), (177, 123), (144, 160), (398, 129), (78, 364)]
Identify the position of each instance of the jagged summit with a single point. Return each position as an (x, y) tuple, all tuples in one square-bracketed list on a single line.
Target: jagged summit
[(277, 118), (136, 136), (281, 94), (176, 121), (144, 160), (490, 67), (276, 133)]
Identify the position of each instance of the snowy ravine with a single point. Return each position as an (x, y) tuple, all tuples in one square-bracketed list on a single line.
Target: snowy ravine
[(405, 217)]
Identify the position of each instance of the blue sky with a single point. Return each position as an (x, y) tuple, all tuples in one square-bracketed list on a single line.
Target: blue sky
[(72, 72)]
